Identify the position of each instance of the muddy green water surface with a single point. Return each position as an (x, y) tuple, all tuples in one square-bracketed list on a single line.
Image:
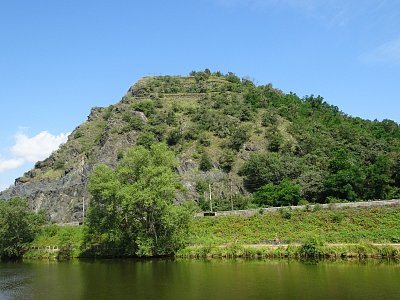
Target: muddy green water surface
[(200, 279)]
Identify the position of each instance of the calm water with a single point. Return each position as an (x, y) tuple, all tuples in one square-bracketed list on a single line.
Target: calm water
[(197, 279)]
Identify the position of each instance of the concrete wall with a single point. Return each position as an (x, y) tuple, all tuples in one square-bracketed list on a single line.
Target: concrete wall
[(251, 212)]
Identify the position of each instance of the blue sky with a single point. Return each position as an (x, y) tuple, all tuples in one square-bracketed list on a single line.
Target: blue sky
[(60, 58)]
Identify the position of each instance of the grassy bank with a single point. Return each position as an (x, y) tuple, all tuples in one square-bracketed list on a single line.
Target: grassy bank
[(67, 239), (349, 232), (305, 250), (348, 225)]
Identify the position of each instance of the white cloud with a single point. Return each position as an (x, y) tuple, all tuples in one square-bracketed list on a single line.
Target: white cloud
[(10, 164), (38, 147), (31, 149), (387, 53)]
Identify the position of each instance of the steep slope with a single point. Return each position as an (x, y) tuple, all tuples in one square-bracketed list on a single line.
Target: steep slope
[(217, 125)]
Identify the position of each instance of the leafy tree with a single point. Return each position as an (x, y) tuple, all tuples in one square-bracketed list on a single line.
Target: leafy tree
[(282, 194), (18, 227), (265, 167), (275, 141), (312, 185), (171, 118), (395, 170), (254, 97), (132, 209), (377, 181), (240, 136), (202, 76), (345, 178)]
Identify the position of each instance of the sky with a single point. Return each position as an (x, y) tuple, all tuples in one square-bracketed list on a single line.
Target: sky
[(58, 59)]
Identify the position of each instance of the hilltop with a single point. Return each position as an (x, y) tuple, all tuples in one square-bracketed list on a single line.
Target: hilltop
[(250, 145)]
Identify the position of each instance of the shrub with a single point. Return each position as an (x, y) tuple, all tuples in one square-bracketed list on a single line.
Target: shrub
[(146, 139), (145, 106), (205, 162), (283, 194), (231, 77), (59, 164), (204, 139), (174, 137), (226, 160), (337, 217), (239, 137), (286, 213), (311, 248)]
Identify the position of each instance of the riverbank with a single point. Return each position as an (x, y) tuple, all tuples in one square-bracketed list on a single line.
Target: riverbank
[(306, 250), (333, 233)]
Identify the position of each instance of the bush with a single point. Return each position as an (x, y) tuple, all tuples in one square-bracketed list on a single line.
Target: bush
[(146, 139), (239, 137), (174, 137), (311, 248), (145, 106), (226, 160), (283, 194), (286, 213), (135, 122), (205, 162), (231, 77)]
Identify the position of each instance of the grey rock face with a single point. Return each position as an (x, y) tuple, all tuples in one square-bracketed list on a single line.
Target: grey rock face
[(59, 183)]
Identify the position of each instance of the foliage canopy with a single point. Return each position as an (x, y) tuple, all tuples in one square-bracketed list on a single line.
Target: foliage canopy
[(132, 209)]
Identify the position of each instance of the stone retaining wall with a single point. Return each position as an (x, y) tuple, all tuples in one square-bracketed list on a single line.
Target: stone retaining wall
[(251, 212)]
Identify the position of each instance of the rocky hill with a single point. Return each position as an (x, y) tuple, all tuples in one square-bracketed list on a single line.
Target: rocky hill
[(230, 137)]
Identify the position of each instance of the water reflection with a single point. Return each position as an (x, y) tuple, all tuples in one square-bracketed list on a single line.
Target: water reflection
[(200, 279)]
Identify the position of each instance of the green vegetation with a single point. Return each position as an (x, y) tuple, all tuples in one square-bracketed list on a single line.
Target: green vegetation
[(349, 225), (284, 194), (263, 140), (68, 239), (308, 250), (349, 232), (214, 135), (132, 210), (18, 227)]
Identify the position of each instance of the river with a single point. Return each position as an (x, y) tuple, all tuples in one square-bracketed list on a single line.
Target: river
[(199, 279)]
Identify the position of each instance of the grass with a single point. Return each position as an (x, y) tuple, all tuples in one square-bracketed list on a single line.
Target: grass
[(349, 225), (328, 233), (68, 238), (290, 251)]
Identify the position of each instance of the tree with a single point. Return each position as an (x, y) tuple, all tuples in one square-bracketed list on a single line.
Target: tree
[(377, 179), (312, 185), (18, 227), (265, 167), (226, 160), (132, 209), (205, 162), (239, 137), (345, 178), (283, 194)]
